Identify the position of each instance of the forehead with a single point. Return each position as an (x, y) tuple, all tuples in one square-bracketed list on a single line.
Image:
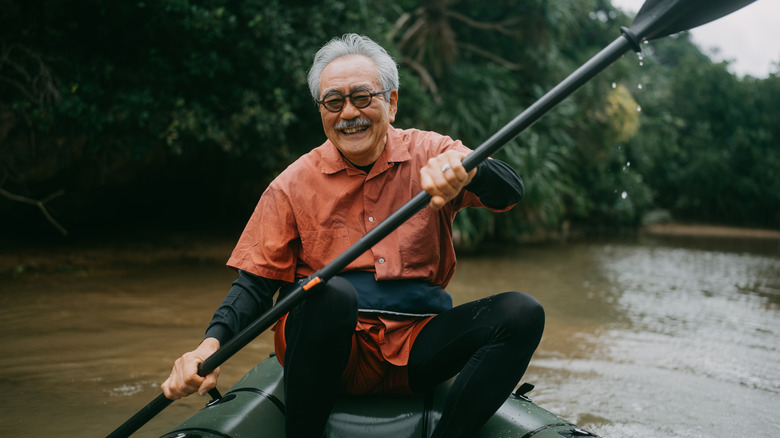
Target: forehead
[(348, 72)]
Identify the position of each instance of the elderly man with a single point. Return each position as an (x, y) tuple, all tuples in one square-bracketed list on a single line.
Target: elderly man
[(385, 324)]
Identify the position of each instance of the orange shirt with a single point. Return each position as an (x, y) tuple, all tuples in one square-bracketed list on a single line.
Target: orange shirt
[(322, 204)]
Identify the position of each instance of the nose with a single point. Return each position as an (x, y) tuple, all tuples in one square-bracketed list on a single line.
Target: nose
[(349, 111)]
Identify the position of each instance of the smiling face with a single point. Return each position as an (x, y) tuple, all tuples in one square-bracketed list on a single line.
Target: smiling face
[(359, 133)]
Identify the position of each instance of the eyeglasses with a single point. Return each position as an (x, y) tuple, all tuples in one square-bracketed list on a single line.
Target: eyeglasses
[(360, 98)]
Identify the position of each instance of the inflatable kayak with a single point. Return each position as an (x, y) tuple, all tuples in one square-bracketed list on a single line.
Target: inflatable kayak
[(254, 407)]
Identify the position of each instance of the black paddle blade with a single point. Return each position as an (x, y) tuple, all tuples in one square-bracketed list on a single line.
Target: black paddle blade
[(659, 18)]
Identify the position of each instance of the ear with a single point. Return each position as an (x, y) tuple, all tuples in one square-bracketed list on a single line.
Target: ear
[(393, 105)]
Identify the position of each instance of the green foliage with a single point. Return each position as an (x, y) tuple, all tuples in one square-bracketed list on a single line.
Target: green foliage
[(149, 93), (188, 108), (721, 163)]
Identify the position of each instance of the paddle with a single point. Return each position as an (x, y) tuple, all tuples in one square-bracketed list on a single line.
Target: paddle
[(656, 18)]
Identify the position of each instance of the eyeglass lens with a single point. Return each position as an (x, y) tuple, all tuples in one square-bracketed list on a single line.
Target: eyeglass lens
[(335, 101)]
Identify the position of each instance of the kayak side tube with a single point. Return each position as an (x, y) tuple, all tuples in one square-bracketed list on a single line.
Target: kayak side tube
[(255, 407)]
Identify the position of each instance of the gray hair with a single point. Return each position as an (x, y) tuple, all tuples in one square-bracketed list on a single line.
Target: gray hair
[(354, 44)]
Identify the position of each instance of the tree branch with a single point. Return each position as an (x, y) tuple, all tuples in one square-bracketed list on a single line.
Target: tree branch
[(426, 77), (40, 204), (29, 74), (491, 56), (500, 27)]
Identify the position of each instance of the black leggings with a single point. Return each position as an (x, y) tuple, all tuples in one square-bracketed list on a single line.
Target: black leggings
[(489, 342)]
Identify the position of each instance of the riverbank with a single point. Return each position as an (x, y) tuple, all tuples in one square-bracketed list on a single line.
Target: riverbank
[(709, 231), (79, 257), (733, 239), (119, 252)]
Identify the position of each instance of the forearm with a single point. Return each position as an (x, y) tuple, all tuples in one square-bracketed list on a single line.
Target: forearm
[(249, 296)]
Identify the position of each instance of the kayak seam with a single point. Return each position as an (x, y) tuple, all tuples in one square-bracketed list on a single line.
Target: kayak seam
[(272, 398), (196, 429), (545, 427)]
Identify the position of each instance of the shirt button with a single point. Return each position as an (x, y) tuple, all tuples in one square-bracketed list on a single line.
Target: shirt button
[(381, 260), (371, 218)]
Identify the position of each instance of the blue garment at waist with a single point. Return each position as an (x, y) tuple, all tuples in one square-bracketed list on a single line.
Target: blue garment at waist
[(400, 297)]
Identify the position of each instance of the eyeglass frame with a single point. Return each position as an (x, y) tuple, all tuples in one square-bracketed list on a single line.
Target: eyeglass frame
[(344, 98)]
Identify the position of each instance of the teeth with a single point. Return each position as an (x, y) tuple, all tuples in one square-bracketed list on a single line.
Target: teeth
[(353, 130)]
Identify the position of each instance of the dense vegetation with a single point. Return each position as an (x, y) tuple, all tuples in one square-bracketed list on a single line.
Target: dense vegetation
[(177, 113)]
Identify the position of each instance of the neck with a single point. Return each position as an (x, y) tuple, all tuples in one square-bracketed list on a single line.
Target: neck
[(363, 167), (368, 160)]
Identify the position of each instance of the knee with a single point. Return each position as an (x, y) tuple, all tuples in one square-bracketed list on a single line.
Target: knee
[(337, 302), (329, 311), (524, 314), (341, 293)]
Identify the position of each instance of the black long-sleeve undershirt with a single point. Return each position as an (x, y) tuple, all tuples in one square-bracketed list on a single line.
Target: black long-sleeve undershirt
[(249, 297), (496, 184)]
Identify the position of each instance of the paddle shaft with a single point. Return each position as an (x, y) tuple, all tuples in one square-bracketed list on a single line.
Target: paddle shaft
[(629, 39)]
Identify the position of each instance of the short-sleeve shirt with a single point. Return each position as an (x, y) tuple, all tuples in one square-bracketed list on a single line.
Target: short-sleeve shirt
[(322, 204)]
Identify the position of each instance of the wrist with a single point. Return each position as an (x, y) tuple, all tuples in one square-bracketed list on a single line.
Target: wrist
[(209, 345)]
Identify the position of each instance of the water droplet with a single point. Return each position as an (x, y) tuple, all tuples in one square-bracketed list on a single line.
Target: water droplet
[(628, 164), (639, 86), (624, 195), (641, 64), (614, 85), (639, 108)]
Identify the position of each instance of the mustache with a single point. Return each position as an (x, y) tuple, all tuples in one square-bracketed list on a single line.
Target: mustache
[(344, 124)]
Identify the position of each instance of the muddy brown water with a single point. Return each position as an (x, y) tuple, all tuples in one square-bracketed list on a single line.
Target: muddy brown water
[(649, 337)]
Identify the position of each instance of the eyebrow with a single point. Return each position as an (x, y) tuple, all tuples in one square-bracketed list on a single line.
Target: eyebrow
[(356, 87)]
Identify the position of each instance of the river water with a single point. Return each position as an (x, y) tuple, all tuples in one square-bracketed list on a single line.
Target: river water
[(647, 337)]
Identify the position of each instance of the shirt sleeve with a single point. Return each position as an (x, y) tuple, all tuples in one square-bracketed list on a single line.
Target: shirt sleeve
[(269, 245), (496, 184), (248, 298)]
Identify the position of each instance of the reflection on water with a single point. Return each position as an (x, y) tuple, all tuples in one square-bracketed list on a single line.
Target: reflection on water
[(648, 338)]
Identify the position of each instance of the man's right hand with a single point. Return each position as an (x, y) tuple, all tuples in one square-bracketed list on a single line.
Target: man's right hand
[(184, 379)]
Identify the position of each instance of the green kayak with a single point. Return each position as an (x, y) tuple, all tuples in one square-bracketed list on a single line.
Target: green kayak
[(254, 407)]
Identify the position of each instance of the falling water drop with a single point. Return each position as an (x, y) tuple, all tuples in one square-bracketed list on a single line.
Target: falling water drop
[(614, 85), (624, 195), (639, 108), (639, 86), (628, 164)]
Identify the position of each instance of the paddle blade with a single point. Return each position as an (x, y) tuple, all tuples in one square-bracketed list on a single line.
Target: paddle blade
[(659, 18)]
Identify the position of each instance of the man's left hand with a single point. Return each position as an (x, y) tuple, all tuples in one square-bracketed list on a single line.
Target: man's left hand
[(444, 177)]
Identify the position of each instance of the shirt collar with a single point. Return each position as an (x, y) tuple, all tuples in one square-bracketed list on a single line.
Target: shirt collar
[(395, 152)]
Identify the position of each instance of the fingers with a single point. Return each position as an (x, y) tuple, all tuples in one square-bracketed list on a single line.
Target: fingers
[(454, 166), (169, 391), (444, 177), (184, 379), (209, 382)]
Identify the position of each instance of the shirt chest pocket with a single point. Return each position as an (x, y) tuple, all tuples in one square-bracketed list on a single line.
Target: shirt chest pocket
[(320, 247)]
